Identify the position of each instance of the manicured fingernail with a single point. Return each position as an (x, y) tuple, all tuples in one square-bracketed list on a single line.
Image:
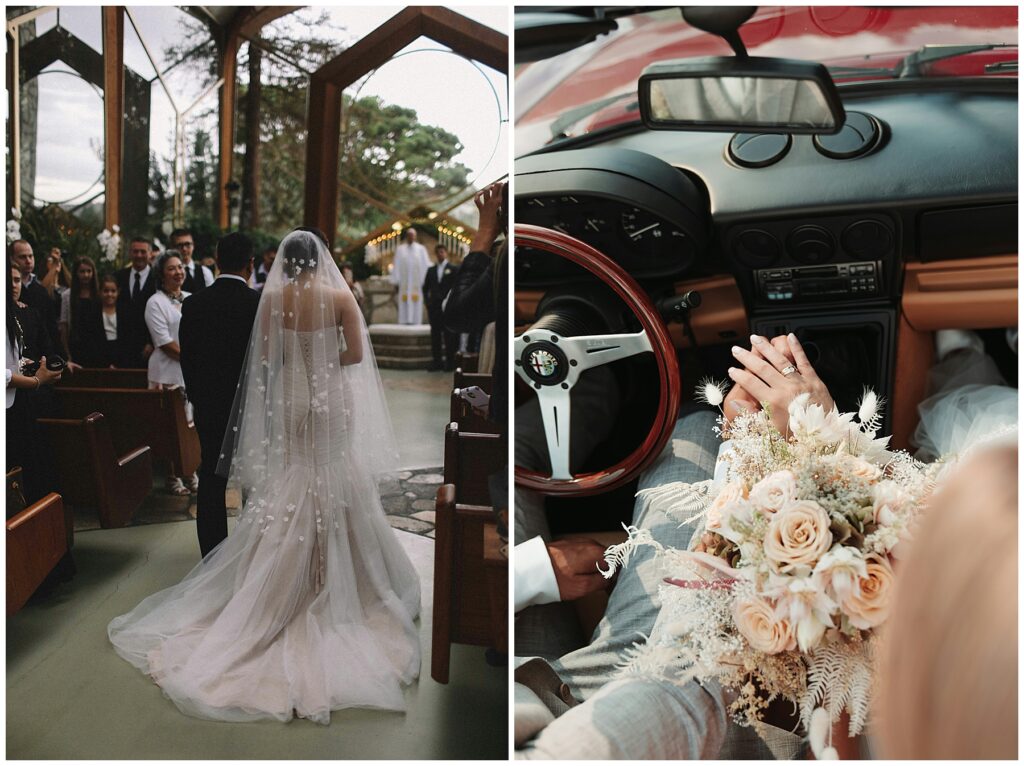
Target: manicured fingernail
[(756, 339), (736, 349), (732, 371), (792, 339)]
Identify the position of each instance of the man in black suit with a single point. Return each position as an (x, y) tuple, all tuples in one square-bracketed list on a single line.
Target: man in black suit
[(33, 294), (436, 286), (214, 338), (136, 284), (197, 276)]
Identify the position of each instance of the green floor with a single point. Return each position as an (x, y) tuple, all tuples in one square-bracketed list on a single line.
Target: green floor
[(69, 696)]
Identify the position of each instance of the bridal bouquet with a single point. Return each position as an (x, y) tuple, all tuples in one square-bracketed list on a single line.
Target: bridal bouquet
[(789, 573)]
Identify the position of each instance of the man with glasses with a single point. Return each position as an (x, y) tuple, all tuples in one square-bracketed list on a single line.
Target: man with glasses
[(197, 276)]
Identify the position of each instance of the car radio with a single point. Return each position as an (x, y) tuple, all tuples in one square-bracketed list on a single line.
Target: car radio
[(816, 283)]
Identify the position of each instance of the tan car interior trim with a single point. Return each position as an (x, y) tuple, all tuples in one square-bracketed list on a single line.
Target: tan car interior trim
[(970, 294)]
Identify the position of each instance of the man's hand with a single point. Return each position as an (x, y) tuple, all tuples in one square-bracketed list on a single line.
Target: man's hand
[(488, 202), (147, 351), (575, 563)]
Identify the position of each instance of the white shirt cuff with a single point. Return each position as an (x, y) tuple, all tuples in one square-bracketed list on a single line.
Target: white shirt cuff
[(535, 581)]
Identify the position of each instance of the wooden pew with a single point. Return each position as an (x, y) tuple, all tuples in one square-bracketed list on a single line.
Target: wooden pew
[(462, 596), (102, 377), (467, 361), (91, 473), (37, 539), (140, 417), (465, 379)]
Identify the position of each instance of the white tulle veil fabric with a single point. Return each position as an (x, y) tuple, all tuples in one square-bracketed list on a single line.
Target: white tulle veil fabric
[(300, 305), (970, 407), (310, 603)]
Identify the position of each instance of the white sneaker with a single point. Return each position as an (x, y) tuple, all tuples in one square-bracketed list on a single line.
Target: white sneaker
[(948, 341)]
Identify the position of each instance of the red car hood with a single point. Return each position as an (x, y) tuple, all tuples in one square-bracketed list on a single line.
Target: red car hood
[(836, 35)]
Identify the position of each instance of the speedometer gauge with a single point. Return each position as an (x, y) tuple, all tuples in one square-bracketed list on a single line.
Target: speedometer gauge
[(642, 227)]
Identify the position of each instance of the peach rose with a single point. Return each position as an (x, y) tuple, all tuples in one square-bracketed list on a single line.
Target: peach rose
[(774, 491), (755, 618), (719, 510), (860, 468), (798, 535), (870, 607)]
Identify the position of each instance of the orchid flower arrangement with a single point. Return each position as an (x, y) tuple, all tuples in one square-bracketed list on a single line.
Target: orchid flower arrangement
[(789, 573), (110, 242), (14, 226)]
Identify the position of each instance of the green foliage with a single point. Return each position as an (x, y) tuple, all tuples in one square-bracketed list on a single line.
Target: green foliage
[(52, 226)]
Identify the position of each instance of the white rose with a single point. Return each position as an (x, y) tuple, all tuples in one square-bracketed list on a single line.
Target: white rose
[(840, 571), (869, 607), (774, 491), (757, 622), (798, 536), (720, 510), (888, 499)]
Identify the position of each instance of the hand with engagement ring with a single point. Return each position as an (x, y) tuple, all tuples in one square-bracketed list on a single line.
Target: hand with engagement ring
[(775, 373)]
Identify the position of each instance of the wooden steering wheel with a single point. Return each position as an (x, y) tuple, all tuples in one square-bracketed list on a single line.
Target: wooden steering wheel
[(551, 364)]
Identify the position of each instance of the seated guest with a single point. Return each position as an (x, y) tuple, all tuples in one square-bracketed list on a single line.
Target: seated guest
[(26, 443), (78, 311), (135, 285), (350, 280), (163, 316)]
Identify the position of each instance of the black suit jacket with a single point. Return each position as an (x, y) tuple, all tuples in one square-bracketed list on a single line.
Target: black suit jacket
[(136, 334), (36, 296), (435, 291), (214, 338), (194, 284)]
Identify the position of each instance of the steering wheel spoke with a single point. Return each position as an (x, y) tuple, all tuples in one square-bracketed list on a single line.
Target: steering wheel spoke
[(594, 350), (555, 408)]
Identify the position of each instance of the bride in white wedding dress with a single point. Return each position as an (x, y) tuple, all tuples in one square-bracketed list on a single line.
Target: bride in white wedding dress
[(309, 605)]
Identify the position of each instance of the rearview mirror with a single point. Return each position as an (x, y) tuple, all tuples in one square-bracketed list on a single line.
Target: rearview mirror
[(759, 95)]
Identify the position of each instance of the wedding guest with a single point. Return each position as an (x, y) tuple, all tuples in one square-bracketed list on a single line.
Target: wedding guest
[(948, 678), (211, 365), (32, 291), (197, 276), (265, 264), (112, 350), (350, 279), (136, 284), (57, 278), (481, 287), (163, 317), (436, 286), (79, 309), (27, 400)]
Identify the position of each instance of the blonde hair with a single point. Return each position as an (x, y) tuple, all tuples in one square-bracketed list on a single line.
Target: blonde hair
[(948, 676)]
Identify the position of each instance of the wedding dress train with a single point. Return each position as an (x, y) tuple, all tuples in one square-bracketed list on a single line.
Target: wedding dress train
[(309, 605)]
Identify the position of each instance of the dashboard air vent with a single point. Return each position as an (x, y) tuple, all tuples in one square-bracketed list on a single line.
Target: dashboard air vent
[(860, 135)]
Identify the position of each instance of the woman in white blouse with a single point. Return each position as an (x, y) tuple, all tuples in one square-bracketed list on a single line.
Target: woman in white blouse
[(163, 315)]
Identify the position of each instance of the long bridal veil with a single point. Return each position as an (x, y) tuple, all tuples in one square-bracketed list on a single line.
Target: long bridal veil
[(309, 605)]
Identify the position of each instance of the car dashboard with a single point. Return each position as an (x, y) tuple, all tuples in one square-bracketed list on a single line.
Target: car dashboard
[(922, 172)]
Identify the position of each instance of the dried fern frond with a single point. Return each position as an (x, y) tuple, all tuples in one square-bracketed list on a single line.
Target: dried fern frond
[(680, 500)]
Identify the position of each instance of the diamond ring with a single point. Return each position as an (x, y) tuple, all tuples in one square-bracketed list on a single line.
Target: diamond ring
[(788, 370)]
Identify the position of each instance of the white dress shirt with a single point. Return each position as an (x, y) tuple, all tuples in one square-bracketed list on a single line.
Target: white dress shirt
[(190, 269), (535, 581), (13, 366)]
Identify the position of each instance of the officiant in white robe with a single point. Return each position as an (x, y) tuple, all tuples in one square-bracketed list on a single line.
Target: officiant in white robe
[(410, 267)]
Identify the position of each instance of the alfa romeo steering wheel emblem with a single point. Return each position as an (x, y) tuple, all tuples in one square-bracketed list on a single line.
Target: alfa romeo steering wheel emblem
[(544, 363)]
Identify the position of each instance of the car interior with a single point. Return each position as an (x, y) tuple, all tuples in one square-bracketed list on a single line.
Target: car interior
[(669, 222)]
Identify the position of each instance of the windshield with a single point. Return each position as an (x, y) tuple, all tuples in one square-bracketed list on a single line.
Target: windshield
[(594, 86)]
